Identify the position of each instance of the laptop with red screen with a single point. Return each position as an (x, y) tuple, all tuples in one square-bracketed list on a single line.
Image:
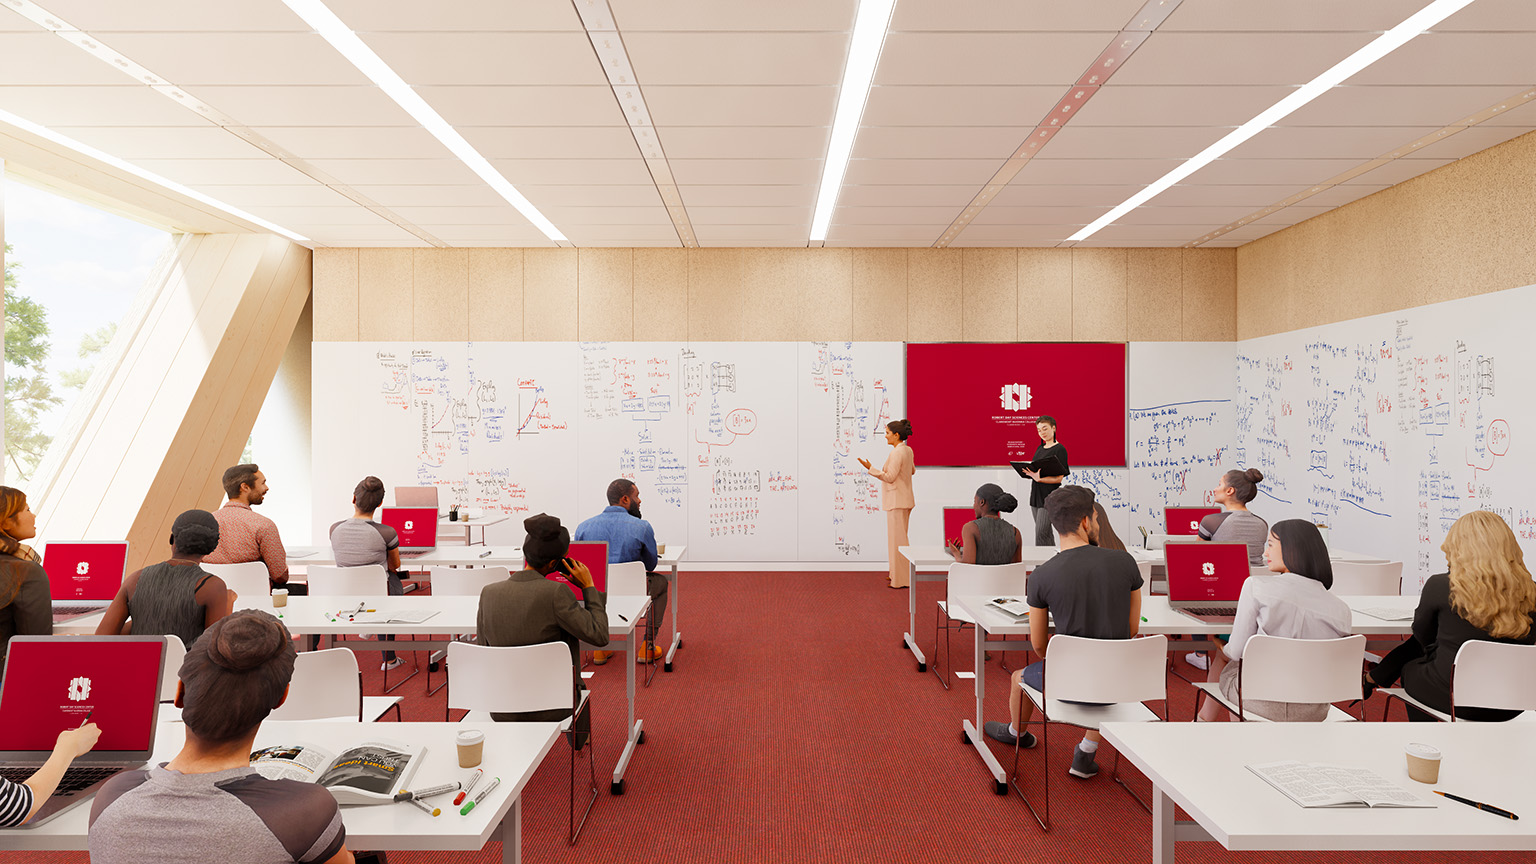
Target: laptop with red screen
[(53, 683), (594, 554), (86, 573), (1205, 579), (954, 520), (417, 527), (1185, 521)]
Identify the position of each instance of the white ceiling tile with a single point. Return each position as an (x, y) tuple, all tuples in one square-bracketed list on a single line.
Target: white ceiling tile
[(19, 24), (576, 172), (1213, 105), (413, 242), (635, 16), (1125, 142), (1493, 15), (783, 243), (1106, 244), (961, 242), (475, 58), (622, 243), (1521, 115), (1222, 243), (1435, 59), (344, 235), (611, 195), (41, 58), (524, 106), (1270, 171), (1468, 141), (510, 235), (1291, 215), (1338, 196), (1074, 195), (749, 215), (740, 106), (1394, 106), (1248, 196), (915, 235), (354, 142), (756, 232), (737, 59), (1239, 236), (245, 58), (906, 196), (1120, 233), (787, 195), (1398, 170), (894, 215), (1012, 234), (866, 244), (563, 216), (313, 217), (410, 172), (174, 15), (937, 172), (1175, 59), (503, 215), (1327, 142), (1009, 58), (1054, 172), (996, 215), (654, 231), (393, 196), (95, 106), (304, 105), (552, 142), (937, 142), (983, 15), (1293, 15), (233, 172), (746, 142), (695, 172), (959, 106), (1149, 214), (474, 15), (306, 194), (165, 142)]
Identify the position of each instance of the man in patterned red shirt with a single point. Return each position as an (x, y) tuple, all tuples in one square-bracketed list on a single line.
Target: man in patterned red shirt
[(245, 535)]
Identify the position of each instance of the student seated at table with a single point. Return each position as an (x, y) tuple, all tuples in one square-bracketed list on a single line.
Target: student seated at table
[(175, 597), (1486, 594), (1091, 592), (989, 538), (245, 535), (26, 606), (629, 538), (208, 803), (529, 609), (1294, 603), (360, 541), (19, 802), (1107, 538), (1236, 523)]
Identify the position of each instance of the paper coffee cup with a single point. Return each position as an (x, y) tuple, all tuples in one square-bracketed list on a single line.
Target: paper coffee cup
[(471, 744), (279, 596), (1423, 763), (661, 548)]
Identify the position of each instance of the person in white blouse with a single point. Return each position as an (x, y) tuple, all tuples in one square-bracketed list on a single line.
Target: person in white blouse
[(1293, 603)]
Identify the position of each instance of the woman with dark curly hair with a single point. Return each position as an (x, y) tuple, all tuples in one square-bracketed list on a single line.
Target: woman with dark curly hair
[(896, 495), (175, 597)]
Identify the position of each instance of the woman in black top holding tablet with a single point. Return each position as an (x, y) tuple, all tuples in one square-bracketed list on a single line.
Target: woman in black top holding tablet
[(1043, 486)]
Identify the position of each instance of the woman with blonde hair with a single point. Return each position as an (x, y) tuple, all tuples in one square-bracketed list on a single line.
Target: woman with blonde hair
[(26, 605), (1486, 595)]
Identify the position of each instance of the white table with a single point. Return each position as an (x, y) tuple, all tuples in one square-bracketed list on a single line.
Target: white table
[(513, 752), (468, 523), (1200, 767), (455, 614)]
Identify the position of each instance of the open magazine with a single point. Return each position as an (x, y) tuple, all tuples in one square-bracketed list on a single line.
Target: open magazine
[(1015, 606), (369, 773), (1318, 785)]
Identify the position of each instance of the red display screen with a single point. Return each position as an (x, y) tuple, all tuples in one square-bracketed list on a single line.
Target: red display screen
[(54, 684), (976, 403), (955, 519), (416, 526), (85, 571), (594, 554)]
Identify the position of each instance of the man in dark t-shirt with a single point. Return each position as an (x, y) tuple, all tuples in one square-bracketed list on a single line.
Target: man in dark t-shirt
[(1089, 591)]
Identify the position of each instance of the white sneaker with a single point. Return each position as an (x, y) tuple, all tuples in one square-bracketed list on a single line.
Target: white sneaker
[(1198, 660), (390, 664)]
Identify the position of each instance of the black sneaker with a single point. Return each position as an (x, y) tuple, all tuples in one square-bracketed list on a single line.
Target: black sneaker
[(1083, 764), (998, 731)]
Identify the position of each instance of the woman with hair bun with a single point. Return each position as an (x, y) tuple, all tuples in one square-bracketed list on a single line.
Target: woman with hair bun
[(1235, 524), (175, 597), (896, 496), (990, 539)]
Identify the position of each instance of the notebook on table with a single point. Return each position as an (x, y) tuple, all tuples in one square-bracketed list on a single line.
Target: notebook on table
[(53, 683), (84, 576), (594, 554), (1205, 579), (416, 527), (1185, 521)]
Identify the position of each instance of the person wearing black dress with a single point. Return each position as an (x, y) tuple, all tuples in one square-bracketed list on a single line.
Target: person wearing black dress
[(1040, 486)]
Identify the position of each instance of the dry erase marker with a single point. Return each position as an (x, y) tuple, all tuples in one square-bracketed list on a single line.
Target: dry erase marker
[(430, 811), (428, 792), (622, 618), (481, 797), (485, 554), (469, 787), (87, 718)]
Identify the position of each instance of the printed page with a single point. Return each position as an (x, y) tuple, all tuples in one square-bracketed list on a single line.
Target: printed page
[(1306, 785), (402, 616), (292, 762), (372, 767), (1371, 787)]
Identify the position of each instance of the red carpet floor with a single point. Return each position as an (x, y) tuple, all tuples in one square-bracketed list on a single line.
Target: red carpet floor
[(795, 729)]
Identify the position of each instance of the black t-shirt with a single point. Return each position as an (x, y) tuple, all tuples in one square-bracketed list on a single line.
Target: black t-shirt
[(1088, 591), (1038, 490)]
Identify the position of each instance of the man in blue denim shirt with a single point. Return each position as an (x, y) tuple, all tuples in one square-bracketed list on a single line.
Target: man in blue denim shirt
[(629, 538)]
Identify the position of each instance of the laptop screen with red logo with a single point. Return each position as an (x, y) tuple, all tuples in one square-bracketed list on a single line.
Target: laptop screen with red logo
[(53, 683), (954, 520), (1201, 572), (594, 554), (1185, 521), (85, 571), (417, 526)]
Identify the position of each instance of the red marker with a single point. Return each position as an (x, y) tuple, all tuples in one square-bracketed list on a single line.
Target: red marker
[(468, 787)]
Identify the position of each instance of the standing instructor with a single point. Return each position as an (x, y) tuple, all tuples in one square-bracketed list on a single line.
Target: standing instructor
[(896, 495), (1043, 486)]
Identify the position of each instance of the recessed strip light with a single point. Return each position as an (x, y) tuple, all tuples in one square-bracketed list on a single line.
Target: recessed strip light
[(1378, 48), (130, 168), (869, 28), (341, 37), (597, 18), (1141, 25), (1408, 149)]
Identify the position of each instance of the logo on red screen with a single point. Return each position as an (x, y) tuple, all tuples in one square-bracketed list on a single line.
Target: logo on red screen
[(1208, 569), (1015, 397), (83, 568), (79, 689), (409, 525)]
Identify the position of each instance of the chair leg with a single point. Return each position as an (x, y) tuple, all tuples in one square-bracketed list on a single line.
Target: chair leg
[(1115, 775), (1045, 773), (573, 827), (415, 669), (939, 670)]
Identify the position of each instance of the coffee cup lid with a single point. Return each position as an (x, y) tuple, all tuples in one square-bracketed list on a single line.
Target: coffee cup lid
[(1423, 751), (470, 736)]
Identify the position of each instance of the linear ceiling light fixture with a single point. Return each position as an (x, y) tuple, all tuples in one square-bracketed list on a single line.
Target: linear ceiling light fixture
[(1378, 48), (870, 25), (341, 37)]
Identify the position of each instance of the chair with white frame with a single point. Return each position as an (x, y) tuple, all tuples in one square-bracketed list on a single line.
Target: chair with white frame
[(368, 580), (248, 579), (459, 582), (170, 676), (484, 679), (1307, 671), (1115, 676), (328, 685), (1485, 675), (971, 580), (628, 579), (1357, 578)]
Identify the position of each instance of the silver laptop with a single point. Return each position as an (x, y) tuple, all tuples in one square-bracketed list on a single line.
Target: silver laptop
[(84, 575), (53, 683)]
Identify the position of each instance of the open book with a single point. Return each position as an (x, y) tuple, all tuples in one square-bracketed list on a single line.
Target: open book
[(1014, 606), (1318, 785), (369, 773)]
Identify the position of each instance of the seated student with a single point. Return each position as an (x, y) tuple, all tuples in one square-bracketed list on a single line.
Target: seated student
[(360, 541), (1107, 539), (175, 597), (1294, 603), (26, 606), (1235, 524), (629, 538), (244, 534), (1487, 595), (19, 802), (208, 803), (528, 609), (989, 539), (1091, 592)]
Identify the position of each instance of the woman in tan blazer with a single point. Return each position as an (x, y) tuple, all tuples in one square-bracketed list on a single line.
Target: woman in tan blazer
[(896, 495)]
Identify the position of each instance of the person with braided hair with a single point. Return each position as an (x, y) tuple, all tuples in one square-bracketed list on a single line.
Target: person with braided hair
[(175, 597), (26, 606)]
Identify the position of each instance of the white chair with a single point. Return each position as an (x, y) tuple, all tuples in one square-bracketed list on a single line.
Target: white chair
[(1145, 569), (1277, 669), (1354, 578), (328, 685), (249, 579), (1117, 674), (971, 580), (628, 580), (170, 676), (483, 679), (1485, 675), (369, 580), (459, 582)]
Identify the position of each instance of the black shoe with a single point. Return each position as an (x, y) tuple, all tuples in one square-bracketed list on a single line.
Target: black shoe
[(998, 731), (1083, 764), (1367, 685)]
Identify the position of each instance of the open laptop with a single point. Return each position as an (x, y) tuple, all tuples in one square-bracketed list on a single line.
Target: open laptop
[(1185, 521), (954, 520), (594, 554), (84, 576), (53, 683), (1205, 579), (417, 527)]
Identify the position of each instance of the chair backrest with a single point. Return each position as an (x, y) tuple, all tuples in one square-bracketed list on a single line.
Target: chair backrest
[(326, 685), (369, 580), (1278, 669), (175, 653), (249, 579), (627, 579), (464, 582), (1145, 569), (1494, 675), (520, 678), (1351, 577), (1107, 670), (416, 496), (978, 579)]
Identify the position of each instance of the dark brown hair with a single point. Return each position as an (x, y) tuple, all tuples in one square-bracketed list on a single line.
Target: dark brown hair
[(1245, 484), (368, 495), (235, 674), (902, 428), (618, 489), (1068, 506), (1303, 551), (239, 475), (1108, 539)]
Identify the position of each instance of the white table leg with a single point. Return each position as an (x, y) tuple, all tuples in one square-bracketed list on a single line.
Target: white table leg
[(910, 637), (636, 732), (677, 638), (1163, 829), (977, 739), (512, 833)]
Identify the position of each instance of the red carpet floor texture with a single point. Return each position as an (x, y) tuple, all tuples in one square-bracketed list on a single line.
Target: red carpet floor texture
[(795, 729)]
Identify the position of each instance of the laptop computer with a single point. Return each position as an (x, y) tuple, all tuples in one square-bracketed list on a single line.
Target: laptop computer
[(84, 576), (594, 554), (417, 527), (1185, 521), (954, 520), (53, 683), (1205, 579)]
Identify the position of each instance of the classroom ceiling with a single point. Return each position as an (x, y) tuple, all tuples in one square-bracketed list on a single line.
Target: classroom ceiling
[(741, 96)]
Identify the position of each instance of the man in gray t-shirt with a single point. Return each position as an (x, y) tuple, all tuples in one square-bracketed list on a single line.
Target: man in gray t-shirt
[(360, 541)]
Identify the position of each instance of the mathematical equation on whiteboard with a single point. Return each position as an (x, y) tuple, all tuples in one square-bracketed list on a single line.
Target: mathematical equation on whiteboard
[(859, 407)]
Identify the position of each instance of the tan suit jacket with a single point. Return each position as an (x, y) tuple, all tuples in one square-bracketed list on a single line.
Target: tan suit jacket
[(896, 479)]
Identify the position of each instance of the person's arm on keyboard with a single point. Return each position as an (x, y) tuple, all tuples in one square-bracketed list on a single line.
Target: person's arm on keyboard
[(70, 744)]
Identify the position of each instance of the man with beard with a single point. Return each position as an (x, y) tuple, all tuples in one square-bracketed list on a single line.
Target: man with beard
[(629, 538), (245, 535)]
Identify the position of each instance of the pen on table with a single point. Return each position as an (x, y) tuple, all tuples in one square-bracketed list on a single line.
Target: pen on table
[(428, 792), (469, 787), (481, 797), (485, 554), (430, 811), (1489, 808), (622, 618)]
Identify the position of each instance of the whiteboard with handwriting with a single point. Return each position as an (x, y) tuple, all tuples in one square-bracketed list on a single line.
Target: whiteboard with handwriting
[(1388, 428)]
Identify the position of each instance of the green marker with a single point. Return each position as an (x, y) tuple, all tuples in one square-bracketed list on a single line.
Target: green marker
[(464, 811), (1143, 619)]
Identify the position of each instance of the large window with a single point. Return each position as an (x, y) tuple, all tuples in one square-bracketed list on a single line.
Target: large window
[(71, 274)]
